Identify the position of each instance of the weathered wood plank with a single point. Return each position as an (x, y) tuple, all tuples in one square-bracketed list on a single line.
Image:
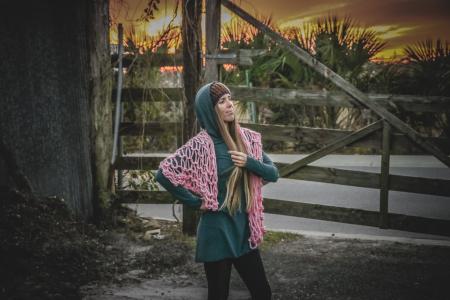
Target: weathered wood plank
[(339, 99), (321, 212), (152, 94), (284, 133), (145, 197), (138, 163), (431, 186), (319, 137), (212, 28), (333, 146), (311, 138), (148, 129), (409, 103), (313, 211), (336, 176), (384, 177), (340, 82), (239, 57), (157, 59), (356, 216)]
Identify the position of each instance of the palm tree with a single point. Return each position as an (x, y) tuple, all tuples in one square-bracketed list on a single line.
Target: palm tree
[(344, 46), (341, 44), (429, 74), (239, 34), (430, 66), (347, 49)]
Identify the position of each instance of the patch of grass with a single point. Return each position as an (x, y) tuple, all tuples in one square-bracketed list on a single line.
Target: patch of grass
[(272, 238)]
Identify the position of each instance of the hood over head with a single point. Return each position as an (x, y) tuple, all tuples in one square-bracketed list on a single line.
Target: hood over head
[(204, 109)]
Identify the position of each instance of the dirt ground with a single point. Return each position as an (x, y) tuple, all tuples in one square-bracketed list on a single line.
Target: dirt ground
[(47, 253), (297, 267)]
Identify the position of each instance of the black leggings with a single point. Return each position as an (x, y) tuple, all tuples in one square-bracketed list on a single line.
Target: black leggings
[(249, 267)]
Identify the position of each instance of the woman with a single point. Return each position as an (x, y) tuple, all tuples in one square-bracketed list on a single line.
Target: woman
[(221, 171)]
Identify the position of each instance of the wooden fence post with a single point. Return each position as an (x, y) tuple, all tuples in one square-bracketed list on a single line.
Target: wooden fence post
[(384, 178), (212, 28), (192, 36)]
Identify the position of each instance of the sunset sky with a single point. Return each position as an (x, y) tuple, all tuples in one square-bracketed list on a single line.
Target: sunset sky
[(398, 22)]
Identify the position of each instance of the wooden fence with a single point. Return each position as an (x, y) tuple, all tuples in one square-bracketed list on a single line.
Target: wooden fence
[(388, 134), (374, 136)]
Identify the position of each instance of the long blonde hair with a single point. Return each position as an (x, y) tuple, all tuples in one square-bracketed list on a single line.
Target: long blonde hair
[(233, 140)]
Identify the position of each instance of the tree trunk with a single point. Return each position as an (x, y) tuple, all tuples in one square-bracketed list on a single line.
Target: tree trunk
[(100, 103), (192, 37), (54, 81)]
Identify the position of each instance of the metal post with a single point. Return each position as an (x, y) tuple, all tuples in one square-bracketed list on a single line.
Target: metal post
[(118, 103), (251, 105)]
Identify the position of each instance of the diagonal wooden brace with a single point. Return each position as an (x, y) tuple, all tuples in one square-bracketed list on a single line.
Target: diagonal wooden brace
[(351, 90), (351, 138)]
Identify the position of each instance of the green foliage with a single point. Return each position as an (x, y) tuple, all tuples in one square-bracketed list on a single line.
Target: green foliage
[(429, 63), (340, 44), (344, 47), (425, 70), (349, 50), (139, 180), (238, 34)]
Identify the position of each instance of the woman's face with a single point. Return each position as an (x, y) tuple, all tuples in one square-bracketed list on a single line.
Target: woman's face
[(226, 108)]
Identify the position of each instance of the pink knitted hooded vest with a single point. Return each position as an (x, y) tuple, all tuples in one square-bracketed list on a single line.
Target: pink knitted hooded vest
[(193, 166)]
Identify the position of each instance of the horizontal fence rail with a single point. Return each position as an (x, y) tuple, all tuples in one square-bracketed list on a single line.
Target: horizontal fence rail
[(148, 128), (322, 136), (400, 183), (240, 57), (316, 137), (432, 186), (316, 211), (300, 97)]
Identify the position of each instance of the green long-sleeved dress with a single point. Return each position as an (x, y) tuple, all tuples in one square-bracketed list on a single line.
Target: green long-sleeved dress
[(219, 234)]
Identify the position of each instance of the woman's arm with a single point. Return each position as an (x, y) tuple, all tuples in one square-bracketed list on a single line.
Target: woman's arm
[(265, 169), (179, 192)]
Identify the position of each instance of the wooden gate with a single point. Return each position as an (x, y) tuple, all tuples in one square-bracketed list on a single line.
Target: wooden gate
[(389, 134)]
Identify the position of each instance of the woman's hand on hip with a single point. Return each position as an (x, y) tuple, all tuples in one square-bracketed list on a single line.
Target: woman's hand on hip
[(239, 159), (203, 207)]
